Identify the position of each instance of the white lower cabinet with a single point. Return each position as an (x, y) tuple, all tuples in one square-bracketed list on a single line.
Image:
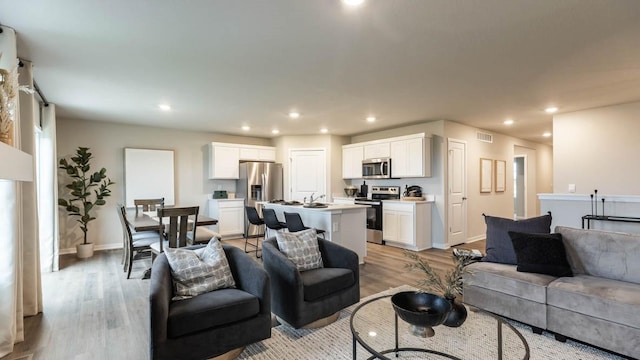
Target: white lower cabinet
[(407, 224), (230, 216)]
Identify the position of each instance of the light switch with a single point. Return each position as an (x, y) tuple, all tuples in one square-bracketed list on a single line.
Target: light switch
[(572, 188)]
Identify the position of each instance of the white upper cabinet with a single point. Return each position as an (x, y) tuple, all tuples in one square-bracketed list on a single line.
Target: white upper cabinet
[(411, 157), (377, 150), (257, 153), (224, 160), (352, 157)]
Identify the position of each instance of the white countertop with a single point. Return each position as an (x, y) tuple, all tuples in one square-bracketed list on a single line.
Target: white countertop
[(234, 199), (428, 199), (331, 207)]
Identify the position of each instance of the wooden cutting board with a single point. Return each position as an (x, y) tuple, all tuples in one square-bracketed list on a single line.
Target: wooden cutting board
[(413, 198)]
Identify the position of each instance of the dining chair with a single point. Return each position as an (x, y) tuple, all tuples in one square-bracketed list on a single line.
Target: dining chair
[(136, 246), (253, 219), (271, 220), (295, 224), (148, 204), (177, 233)]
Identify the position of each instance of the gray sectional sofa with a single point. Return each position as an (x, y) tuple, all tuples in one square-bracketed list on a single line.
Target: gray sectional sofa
[(599, 305)]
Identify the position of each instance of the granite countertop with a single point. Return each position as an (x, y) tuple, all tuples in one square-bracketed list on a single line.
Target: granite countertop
[(330, 207)]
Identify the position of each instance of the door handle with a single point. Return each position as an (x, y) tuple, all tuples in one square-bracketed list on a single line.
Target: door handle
[(464, 198)]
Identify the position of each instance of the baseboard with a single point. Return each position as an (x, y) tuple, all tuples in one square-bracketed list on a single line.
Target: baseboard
[(469, 240), (95, 248), (475, 238)]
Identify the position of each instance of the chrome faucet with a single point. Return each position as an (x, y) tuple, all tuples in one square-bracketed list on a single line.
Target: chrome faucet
[(312, 200)]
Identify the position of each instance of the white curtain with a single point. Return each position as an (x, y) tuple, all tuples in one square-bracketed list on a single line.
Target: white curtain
[(48, 191), (20, 288)]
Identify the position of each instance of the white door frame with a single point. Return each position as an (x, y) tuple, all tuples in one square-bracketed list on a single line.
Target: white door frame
[(290, 176), (463, 233), (525, 192)]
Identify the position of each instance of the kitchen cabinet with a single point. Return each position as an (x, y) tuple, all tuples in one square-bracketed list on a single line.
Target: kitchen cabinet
[(377, 150), (352, 157), (230, 216), (407, 224), (257, 153), (411, 157), (223, 161)]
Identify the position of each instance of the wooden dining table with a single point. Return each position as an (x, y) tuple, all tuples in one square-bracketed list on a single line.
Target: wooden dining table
[(144, 222)]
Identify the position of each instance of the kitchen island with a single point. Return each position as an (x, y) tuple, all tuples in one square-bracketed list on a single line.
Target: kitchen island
[(345, 224)]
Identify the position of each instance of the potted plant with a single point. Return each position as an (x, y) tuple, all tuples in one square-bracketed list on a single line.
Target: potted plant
[(450, 286), (86, 192)]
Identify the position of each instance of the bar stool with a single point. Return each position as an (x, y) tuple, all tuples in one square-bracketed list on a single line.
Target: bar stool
[(294, 223), (254, 219), (271, 220)]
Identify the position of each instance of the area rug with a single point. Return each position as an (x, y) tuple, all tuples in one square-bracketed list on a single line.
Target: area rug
[(334, 342)]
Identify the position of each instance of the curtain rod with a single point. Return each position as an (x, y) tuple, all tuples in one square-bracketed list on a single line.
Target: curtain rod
[(36, 87)]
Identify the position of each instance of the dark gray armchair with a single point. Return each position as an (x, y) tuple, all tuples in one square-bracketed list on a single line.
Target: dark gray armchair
[(213, 323), (302, 297)]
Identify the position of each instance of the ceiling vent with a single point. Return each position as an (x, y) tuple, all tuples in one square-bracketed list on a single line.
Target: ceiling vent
[(484, 137)]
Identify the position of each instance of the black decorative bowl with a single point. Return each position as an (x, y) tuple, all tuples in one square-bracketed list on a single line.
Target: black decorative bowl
[(422, 310)]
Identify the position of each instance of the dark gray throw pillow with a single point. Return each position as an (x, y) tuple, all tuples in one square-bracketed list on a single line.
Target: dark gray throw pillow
[(541, 253), (499, 248)]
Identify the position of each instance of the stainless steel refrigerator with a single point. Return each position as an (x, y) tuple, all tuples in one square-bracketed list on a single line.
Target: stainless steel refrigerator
[(259, 181)]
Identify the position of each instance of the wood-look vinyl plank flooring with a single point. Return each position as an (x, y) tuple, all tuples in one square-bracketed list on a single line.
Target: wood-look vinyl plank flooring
[(91, 311)]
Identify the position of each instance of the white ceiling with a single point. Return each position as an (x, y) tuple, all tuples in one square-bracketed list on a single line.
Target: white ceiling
[(225, 63)]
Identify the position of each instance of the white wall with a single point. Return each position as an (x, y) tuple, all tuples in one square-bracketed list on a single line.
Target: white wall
[(107, 142), (598, 149)]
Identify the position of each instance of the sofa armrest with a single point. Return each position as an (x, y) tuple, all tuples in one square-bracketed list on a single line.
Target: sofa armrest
[(160, 294), (337, 256), (249, 276)]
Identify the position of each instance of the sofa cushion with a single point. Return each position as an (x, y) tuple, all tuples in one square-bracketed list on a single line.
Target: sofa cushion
[(499, 248), (318, 283), (506, 279), (209, 310), (195, 272), (606, 254), (301, 247), (611, 300), (540, 253)]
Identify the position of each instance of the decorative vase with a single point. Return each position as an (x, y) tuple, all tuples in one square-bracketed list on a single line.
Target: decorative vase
[(84, 251), (7, 136), (457, 315)]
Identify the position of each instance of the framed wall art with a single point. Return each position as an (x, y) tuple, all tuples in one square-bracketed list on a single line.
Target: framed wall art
[(486, 172), (500, 175)]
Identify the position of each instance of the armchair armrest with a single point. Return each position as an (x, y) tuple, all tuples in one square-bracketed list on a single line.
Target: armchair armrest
[(337, 256), (249, 276), (160, 294)]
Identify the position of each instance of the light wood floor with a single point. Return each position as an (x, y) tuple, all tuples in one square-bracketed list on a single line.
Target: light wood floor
[(91, 311)]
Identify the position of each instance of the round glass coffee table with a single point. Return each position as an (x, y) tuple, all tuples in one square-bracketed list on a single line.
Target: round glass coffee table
[(376, 327)]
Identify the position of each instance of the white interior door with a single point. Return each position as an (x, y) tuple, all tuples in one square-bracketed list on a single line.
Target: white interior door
[(308, 174), (457, 200), (520, 186)]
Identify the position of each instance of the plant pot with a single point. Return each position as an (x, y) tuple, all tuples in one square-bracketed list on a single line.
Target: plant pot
[(457, 315), (84, 251)]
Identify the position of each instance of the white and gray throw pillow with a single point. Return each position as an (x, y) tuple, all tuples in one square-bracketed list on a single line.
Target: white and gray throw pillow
[(200, 271), (302, 248)]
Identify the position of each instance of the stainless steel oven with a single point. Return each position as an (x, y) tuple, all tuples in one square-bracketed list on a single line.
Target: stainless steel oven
[(376, 168), (374, 212)]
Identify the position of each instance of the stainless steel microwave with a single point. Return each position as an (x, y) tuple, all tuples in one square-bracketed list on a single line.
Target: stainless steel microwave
[(376, 168)]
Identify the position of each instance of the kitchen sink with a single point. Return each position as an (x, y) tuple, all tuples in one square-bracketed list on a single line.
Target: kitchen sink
[(316, 205)]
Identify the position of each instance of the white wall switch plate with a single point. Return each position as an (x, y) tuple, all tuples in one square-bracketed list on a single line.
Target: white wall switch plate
[(572, 188)]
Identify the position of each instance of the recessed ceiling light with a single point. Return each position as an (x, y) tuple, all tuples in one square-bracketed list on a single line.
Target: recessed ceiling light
[(551, 110), (275, 131), (246, 128), (353, 3), (324, 130), (294, 114), (371, 118), (546, 134), (164, 107), (508, 122)]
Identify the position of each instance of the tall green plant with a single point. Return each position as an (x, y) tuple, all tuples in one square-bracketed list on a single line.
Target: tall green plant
[(81, 199)]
